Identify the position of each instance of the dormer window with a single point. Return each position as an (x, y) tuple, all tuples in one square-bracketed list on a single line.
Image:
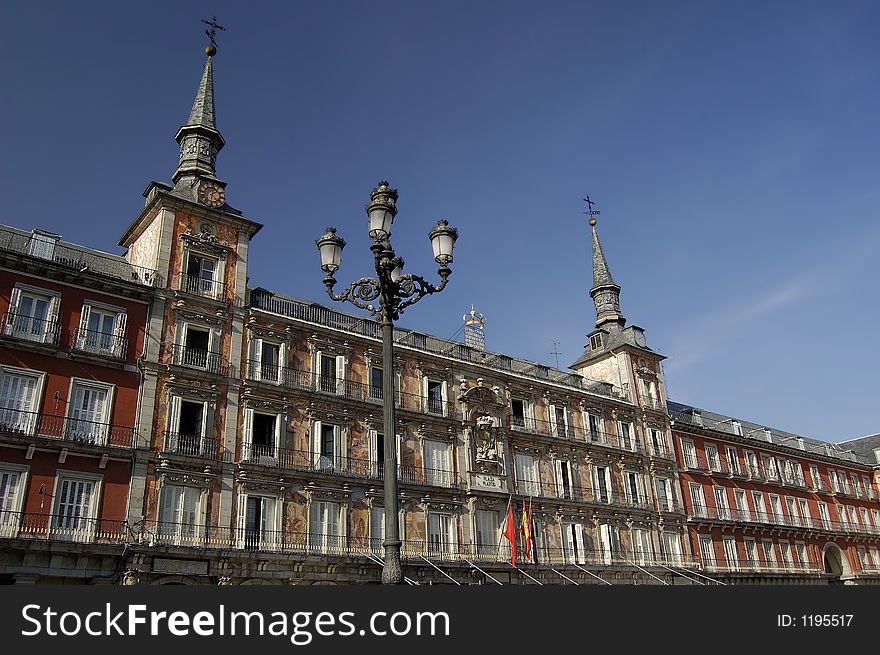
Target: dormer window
[(596, 341), (42, 244)]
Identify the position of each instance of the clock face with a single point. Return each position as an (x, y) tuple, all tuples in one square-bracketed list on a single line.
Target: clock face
[(211, 194)]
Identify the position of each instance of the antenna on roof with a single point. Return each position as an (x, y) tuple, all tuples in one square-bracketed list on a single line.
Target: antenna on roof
[(555, 351)]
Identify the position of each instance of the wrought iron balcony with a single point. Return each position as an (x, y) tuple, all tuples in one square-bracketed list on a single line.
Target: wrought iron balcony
[(194, 445), (99, 343), (196, 358), (759, 566), (199, 286), (17, 422), (28, 328), (61, 527)]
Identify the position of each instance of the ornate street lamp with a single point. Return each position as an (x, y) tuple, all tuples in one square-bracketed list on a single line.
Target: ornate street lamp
[(395, 291)]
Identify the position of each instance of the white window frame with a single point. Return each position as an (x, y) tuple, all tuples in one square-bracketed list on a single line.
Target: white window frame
[(90, 518), (733, 461), (665, 498), (527, 480), (252, 450), (753, 465), (689, 453), (448, 525), (78, 429), (714, 466), (173, 438), (12, 504), (184, 531), (437, 476), (626, 433), (183, 359), (340, 452), (722, 503), (53, 307), (19, 419), (528, 417), (117, 337), (607, 479), (731, 555), (707, 550), (255, 369), (641, 546), (672, 542), (328, 541), (444, 395), (563, 466), (340, 368), (698, 499), (751, 548), (554, 420), (217, 282)]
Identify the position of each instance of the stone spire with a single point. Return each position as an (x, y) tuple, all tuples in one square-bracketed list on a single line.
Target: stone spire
[(605, 292), (199, 139)]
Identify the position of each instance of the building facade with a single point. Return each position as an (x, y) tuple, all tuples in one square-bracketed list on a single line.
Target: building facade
[(214, 432)]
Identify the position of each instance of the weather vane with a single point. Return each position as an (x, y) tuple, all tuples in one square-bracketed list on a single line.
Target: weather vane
[(556, 352), (212, 33), (592, 213)]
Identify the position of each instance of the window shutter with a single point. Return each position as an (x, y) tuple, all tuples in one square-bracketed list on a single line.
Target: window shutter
[(50, 332), (551, 410), (171, 505), (424, 383), (570, 542), (398, 386), (579, 538), (268, 528), (248, 432), (174, 414), (119, 333), (340, 446), (316, 443), (14, 303), (279, 426), (241, 518), (443, 406), (340, 375), (206, 429), (82, 334)]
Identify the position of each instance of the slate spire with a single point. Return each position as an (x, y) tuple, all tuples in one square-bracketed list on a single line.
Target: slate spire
[(199, 139), (605, 292)]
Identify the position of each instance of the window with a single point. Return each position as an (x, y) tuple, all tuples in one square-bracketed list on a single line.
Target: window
[(179, 515), (835, 483), (101, 330), (187, 427), (776, 508), (801, 549), (863, 512), (697, 500), (438, 471), (641, 543), (262, 434), (816, 478), (664, 494), (721, 504), (752, 464), (602, 483), (518, 413), (12, 484), (853, 517), (377, 528), (672, 547), (690, 453), (441, 533), (260, 530), (707, 550), (609, 542), (563, 478), (559, 421), (742, 505), (526, 475), (863, 557), (266, 363), (573, 550), (377, 449), (730, 555), (327, 446), (805, 512), (760, 507), (751, 550), (624, 430), (791, 505), (42, 244), (377, 377), (737, 428), (770, 467), (88, 412), (331, 373), (856, 484), (769, 552), (595, 341), (712, 458), (435, 393), (733, 460), (594, 424), (875, 557), (658, 443), (76, 504), (634, 487), (196, 348), (33, 315), (19, 395), (326, 527), (823, 515), (785, 549), (487, 532), (202, 276)]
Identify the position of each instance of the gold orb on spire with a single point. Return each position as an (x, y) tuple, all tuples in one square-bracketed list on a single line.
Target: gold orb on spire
[(592, 222), (211, 50)]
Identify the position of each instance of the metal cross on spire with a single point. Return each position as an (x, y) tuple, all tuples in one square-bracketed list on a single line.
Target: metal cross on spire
[(212, 33), (592, 213)]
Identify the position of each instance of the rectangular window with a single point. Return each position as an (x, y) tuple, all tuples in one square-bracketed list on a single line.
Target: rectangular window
[(75, 506), (634, 487), (328, 452), (712, 458), (664, 494), (594, 424), (201, 276), (526, 475), (328, 380), (441, 534), (19, 399), (697, 500), (602, 483), (563, 478), (824, 516), (672, 547), (770, 467), (785, 549), (730, 555), (751, 550), (806, 519), (196, 348), (752, 464), (326, 527), (801, 549), (12, 484), (101, 331), (187, 427), (769, 552), (438, 471), (776, 508), (658, 443), (377, 382), (33, 315), (641, 544), (88, 413), (707, 551), (559, 421), (721, 503), (487, 526), (835, 483), (179, 515), (573, 543), (742, 505), (624, 430), (733, 460), (435, 397), (261, 433), (609, 542), (816, 478), (760, 507), (266, 361), (518, 412), (690, 454)]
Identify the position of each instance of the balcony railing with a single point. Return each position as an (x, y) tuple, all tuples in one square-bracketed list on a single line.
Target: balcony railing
[(570, 432), (61, 527), (196, 358), (15, 421), (706, 512), (28, 328), (758, 566), (77, 258), (99, 343), (199, 286), (193, 445)]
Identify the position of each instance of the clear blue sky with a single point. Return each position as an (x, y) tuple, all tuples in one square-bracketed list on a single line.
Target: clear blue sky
[(732, 148)]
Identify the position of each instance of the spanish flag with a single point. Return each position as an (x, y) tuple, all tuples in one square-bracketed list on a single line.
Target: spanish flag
[(526, 530), (510, 533)]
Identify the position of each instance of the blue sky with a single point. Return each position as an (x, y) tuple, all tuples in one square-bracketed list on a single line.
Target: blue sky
[(731, 148)]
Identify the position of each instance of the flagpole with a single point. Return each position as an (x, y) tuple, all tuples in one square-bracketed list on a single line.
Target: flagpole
[(532, 535)]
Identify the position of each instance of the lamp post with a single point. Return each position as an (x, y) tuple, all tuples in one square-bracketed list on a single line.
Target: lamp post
[(395, 292)]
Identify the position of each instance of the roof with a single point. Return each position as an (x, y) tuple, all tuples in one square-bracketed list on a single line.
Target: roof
[(682, 413), (864, 446)]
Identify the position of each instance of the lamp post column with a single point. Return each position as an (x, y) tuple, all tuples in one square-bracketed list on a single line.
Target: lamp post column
[(391, 571)]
